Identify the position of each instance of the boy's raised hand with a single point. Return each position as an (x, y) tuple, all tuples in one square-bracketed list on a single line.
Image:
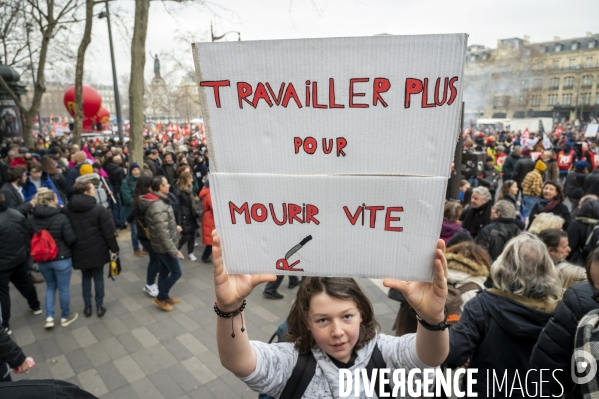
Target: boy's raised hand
[(427, 299), (232, 289)]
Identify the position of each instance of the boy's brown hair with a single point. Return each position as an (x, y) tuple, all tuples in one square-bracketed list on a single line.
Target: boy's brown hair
[(345, 289)]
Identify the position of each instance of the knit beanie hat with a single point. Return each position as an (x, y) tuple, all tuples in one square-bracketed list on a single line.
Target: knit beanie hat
[(581, 165), (540, 166), (86, 169), (132, 166), (526, 152)]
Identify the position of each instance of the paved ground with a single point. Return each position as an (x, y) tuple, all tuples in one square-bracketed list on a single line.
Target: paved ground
[(139, 351)]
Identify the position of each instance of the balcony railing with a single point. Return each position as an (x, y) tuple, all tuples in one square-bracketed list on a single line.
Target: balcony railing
[(568, 87)]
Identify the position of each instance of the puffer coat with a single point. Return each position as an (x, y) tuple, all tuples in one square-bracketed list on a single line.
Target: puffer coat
[(58, 225), (186, 217), (161, 222), (208, 219), (95, 232), (14, 246)]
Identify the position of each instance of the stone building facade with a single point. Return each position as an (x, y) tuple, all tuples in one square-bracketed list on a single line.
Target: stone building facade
[(519, 79)]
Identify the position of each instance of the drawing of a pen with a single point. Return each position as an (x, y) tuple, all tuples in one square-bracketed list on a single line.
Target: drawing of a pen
[(297, 247)]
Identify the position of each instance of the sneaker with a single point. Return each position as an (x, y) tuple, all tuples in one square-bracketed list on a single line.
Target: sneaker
[(164, 305), (7, 330), (138, 253), (206, 260), (192, 257), (272, 295), (195, 244), (36, 311), (149, 289), (293, 285), (173, 301), (154, 289), (70, 320), (49, 322)]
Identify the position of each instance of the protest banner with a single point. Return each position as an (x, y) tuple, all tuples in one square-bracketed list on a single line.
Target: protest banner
[(591, 130), (336, 131)]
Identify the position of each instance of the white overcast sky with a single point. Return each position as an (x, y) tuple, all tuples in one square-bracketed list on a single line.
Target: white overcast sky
[(484, 20)]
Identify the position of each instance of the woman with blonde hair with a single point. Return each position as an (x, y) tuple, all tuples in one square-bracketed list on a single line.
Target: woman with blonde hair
[(47, 215), (510, 317), (545, 221), (570, 274)]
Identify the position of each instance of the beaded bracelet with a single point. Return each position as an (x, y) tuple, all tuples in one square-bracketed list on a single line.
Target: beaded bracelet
[(231, 316)]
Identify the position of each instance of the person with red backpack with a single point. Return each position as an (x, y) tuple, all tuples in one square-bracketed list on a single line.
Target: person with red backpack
[(52, 236), (565, 159)]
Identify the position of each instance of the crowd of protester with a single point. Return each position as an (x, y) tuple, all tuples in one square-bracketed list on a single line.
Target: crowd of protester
[(521, 258)]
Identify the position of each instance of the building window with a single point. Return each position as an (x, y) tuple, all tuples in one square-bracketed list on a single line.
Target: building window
[(575, 46), (552, 99), (558, 48), (572, 63), (585, 98), (535, 100), (597, 99), (592, 44), (554, 83), (555, 64), (524, 84), (566, 99), (569, 82), (589, 62), (587, 81), (537, 84)]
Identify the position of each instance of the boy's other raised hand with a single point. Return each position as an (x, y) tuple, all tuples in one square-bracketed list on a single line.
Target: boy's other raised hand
[(427, 299), (232, 289)]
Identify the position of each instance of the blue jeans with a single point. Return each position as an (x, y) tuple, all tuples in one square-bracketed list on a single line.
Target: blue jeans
[(170, 272), (117, 211), (97, 273), (134, 240), (154, 264), (58, 276), (528, 203)]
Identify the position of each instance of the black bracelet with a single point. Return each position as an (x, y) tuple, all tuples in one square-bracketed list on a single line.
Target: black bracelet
[(437, 327), (231, 315)]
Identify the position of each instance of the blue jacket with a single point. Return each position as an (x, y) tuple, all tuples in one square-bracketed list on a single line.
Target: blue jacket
[(29, 189)]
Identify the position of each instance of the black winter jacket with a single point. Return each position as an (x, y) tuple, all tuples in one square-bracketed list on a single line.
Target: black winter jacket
[(14, 238), (58, 225), (95, 232), (579, 229), (72, 175), (509, 165), (555, 345), (476, 218), (559, 210), (9, 351), (591, 183), (60, 182), (186, 217), (496, 234), (496, 333), (116, 175), (14, 200), (523, 167), (574, 187)]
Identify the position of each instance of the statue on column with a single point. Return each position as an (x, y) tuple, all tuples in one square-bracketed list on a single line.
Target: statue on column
[(156, 66)]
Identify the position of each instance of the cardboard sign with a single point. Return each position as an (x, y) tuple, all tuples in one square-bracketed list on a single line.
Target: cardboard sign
[(591, 130), (331, 125)]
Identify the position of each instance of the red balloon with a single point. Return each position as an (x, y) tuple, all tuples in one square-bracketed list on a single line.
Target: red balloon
[(103, 116), (87, 124), (92, 101)]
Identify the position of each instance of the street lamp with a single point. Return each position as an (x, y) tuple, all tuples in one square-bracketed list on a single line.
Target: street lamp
[(117, 98), (215, 38)]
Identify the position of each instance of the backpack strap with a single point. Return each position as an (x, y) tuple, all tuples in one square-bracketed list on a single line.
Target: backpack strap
[(300, 377), (377, 362), (468, 287)]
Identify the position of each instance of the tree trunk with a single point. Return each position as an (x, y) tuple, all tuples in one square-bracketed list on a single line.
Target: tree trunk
[(85, 41), (136, 86)]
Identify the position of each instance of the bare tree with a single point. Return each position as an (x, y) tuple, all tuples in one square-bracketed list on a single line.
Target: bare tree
[(48, 17)]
